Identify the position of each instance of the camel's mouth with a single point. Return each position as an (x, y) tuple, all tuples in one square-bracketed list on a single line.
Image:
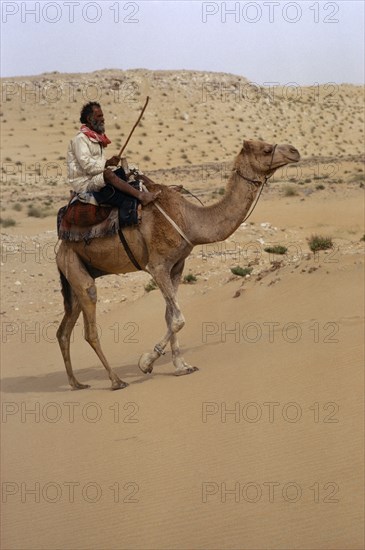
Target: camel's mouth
[(285, 154), (294, 159), (289, 154), (294, 155), (289, 160)]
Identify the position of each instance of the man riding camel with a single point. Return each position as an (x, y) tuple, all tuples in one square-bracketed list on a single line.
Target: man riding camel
[(89, 172)]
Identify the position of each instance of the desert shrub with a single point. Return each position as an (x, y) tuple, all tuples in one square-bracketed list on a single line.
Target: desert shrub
[(36, 211), (17, 207), (7, 222), (318, 242), (241, 271), (276, 249), (151, 285), (189, 278), (289, 191)]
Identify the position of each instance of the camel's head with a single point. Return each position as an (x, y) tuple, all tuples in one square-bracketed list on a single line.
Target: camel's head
[(264, 158)]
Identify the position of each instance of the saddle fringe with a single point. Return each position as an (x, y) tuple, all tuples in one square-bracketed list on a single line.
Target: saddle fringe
[(71, 232)]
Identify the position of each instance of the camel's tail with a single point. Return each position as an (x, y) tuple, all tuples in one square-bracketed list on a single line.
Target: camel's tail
[(66, 292)]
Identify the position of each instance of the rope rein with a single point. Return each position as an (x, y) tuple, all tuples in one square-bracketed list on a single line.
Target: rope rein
[(188, 193), (178, 229)]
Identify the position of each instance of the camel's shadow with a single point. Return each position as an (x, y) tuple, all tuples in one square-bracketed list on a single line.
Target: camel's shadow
[(56, 382)]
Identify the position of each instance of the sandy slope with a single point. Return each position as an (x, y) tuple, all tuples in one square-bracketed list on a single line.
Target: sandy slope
[(285, 357), (260, 449)]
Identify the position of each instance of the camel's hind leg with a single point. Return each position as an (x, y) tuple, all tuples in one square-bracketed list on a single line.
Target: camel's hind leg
[(168, 284), (72, 312), (84, 294)]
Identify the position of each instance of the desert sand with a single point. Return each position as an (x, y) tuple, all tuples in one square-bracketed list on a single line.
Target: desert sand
[(262, 448)]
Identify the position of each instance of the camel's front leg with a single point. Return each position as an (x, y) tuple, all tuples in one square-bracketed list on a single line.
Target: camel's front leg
[(147, 359), (175, 321), (182, 367)]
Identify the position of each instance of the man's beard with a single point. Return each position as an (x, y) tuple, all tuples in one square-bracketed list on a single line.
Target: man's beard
[(98, 127)]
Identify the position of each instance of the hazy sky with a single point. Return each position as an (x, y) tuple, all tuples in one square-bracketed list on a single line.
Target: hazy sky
[(266, 41)]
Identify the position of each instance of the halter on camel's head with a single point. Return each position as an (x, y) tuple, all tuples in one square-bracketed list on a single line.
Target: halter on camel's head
[(268, 151), (268, 175)]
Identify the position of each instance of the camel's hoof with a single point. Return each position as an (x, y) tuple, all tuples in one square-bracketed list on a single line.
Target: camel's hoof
[(119, 385), (185, 370), (146, 362), (78, 386)]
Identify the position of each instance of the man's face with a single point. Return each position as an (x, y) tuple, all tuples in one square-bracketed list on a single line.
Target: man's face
[(96, 120)]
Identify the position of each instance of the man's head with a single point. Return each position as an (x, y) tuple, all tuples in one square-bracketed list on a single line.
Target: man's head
[(92, 116)]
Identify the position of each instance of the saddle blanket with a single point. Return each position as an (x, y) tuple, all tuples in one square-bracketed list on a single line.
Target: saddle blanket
[(83, 222)]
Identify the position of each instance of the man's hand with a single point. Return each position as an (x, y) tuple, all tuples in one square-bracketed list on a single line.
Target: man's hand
[(145, 197), (113, 161)]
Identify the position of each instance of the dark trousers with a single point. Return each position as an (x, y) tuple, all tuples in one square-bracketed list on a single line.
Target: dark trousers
[(110, 194)]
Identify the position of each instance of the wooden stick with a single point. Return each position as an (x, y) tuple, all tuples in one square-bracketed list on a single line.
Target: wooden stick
[(134, 127)]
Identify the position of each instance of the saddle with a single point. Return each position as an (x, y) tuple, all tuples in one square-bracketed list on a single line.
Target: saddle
[(80, 221), (84, 215)]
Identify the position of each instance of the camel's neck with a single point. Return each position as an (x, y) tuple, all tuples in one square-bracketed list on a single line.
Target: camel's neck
[(217, 222)]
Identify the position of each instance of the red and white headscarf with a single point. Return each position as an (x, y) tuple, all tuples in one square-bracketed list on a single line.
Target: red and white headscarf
[(100, 138)]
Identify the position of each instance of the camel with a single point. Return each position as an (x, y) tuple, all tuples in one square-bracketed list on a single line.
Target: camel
[(161, 251)]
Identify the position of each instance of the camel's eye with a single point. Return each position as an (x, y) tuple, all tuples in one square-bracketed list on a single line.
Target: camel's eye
[(268, 150)]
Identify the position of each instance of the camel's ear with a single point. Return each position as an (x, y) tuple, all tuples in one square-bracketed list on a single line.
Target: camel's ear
[(246, 145)]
